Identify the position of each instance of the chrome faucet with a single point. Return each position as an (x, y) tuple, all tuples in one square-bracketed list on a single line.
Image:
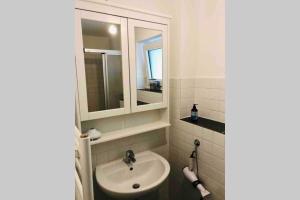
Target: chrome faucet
[(129, 158)]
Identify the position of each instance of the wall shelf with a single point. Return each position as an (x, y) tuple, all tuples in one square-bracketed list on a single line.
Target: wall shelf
[(207, 123), (126, 132)]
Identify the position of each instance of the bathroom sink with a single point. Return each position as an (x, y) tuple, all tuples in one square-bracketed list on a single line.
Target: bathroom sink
[(118, 181)]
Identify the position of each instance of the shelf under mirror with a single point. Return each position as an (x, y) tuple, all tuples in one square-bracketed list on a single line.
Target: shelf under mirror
[(126, 132)]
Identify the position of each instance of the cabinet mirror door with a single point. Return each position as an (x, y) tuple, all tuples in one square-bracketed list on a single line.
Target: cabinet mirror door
[(148, 63), (102, 65)]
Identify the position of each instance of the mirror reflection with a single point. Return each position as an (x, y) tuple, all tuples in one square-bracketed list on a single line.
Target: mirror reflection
[(103, 65), (149, 66)]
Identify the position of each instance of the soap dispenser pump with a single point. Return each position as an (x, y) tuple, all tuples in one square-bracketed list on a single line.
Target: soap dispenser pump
[(194, 113)]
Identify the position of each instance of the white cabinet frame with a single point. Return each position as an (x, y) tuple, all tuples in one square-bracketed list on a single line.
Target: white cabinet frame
[(132, 24), (80, 65)]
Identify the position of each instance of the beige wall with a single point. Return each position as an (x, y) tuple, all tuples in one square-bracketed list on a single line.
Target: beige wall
[(198, 39), (143, 34), (162, 6), (94, 42), (211, 34), (197, 35)]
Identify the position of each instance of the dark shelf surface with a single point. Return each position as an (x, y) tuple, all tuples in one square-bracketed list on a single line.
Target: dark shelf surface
[(141, 103), (150, 90), (207, 123)]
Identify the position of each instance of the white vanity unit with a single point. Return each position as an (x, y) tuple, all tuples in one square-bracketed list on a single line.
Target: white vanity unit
[(122, 69)]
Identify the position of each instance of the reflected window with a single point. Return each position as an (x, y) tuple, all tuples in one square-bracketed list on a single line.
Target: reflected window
[(155, 63)]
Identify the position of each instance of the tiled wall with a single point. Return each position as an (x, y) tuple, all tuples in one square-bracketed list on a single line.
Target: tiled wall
[(183, 93), (108, 151), (94, 83), (155, 141), (210, 97), (208, 93)]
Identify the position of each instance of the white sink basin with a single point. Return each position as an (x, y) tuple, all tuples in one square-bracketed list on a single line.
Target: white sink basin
[(117, 180)]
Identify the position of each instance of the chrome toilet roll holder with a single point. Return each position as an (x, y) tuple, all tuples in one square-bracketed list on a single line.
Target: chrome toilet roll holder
[(196, 143)]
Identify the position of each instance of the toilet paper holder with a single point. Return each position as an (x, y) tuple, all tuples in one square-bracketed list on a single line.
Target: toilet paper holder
[(196, 143), (195, 155)]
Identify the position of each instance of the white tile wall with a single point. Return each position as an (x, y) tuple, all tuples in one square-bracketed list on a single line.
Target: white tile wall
[(210, 97), (209, 94), (105, 152)]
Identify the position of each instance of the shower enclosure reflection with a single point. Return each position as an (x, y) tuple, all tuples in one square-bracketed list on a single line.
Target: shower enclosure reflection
[(103, 65)]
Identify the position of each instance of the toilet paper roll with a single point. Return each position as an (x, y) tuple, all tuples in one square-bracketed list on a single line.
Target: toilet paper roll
[(191, 176), (203, 191)]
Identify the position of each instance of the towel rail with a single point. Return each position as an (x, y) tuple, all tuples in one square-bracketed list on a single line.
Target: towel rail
[(83, 164), (78, 187)]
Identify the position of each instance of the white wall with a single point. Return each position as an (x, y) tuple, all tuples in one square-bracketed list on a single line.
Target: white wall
[(211, 34), (162, 6), (143, 34), (198, 39), (140, 69), (197, 35)]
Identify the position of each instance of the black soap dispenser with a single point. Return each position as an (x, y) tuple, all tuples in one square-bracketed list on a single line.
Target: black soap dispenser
[(194, 113)]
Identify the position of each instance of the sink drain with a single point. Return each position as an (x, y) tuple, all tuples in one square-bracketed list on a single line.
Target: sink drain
[(135, 186)]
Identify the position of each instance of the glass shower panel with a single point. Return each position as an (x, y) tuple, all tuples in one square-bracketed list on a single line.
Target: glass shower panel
[(94, 82), (103, 64), (114, 81)]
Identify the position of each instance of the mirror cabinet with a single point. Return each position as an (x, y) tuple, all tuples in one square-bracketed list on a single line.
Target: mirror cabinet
[(112, 50), (148, 65), (102, 65), (121, 62)]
